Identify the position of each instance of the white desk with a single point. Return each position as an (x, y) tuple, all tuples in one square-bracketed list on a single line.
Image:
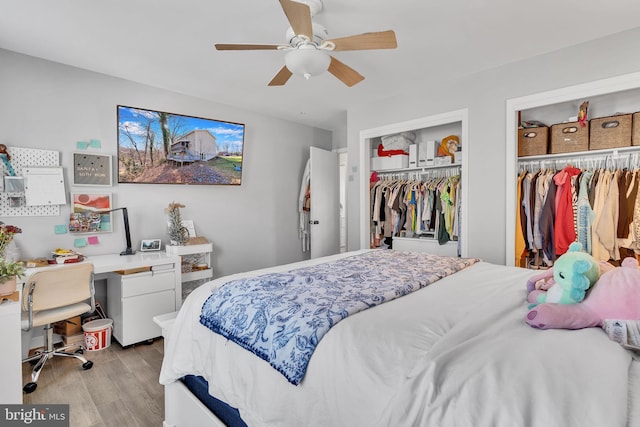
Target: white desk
[(105, 266)]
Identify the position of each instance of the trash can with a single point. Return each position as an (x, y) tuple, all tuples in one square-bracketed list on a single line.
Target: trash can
[(97, 334)]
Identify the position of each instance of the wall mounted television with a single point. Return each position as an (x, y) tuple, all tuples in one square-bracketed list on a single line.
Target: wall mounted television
[(156, 147)]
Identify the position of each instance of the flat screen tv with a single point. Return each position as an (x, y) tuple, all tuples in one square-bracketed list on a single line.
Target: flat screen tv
[(155, 147)]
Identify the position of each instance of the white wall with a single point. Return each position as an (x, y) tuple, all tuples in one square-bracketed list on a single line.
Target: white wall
[(485, 95), (51, 106)]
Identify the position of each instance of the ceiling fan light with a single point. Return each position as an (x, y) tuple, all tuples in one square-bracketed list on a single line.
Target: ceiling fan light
[(307, 62)]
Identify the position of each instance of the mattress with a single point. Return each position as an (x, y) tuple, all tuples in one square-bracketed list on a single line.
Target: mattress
[(455, 353), (225, 413)]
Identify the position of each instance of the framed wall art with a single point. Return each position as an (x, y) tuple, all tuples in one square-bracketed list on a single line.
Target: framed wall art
[(155, 147), (92, 169), (88, 213)]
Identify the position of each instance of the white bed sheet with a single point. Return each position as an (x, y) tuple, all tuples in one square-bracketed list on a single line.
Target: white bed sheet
[(456, 353)]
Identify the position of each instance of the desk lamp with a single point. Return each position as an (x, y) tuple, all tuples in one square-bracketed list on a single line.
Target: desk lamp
[(128, 250)]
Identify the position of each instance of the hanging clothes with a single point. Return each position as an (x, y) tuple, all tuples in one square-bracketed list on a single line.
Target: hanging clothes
[(598, 207), (585, 215), (304, 208), (564, 228), (415, 207)]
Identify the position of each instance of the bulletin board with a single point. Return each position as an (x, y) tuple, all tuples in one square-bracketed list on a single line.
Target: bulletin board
[(22, 158)]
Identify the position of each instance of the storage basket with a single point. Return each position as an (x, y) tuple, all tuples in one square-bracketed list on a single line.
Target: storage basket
[(569, 137), (635, 133), (610, 132), (533, 141)]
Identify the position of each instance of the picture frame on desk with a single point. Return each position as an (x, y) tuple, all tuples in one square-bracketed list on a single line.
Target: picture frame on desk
[(87, 213), (150, 245), (92, 169)]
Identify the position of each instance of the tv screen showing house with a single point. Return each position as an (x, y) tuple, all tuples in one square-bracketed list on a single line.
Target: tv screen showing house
[(155, 147)]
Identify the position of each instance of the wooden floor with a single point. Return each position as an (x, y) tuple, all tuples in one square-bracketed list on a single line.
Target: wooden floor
[(120, 390)]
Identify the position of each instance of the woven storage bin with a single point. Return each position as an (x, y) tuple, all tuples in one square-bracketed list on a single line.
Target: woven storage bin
[(635, 133), (533, 141), (569, 137), (610, 132)]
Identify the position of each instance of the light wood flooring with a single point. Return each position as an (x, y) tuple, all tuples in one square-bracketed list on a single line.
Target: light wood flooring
[(120, 390)]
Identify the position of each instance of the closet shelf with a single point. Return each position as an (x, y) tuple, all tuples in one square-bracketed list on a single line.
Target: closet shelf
[(593, 153), (419, 169)]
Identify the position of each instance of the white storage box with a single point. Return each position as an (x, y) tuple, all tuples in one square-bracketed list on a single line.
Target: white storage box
[(399, 161), (427, 151), (413, 155), (398, 141), (443, 160)]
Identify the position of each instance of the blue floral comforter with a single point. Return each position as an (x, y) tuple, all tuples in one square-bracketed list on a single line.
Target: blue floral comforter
[(281, 317)]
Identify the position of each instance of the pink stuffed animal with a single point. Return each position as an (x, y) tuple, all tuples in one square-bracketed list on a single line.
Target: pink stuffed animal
[(616, 295)]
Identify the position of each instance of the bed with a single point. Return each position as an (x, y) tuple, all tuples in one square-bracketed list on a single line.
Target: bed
[(454, 353)]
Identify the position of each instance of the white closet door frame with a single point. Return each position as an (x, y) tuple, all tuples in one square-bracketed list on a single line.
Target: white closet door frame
[(366, 135), (585, 90)]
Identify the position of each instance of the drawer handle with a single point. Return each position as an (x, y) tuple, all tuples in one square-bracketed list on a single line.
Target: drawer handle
[(611, 124), (530, 134), (571, 129)]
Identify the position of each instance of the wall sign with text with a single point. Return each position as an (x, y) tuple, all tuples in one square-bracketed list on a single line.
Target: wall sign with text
[(92, 169)]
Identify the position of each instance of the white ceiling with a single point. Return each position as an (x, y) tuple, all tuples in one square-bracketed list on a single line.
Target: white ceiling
[(169, 44)]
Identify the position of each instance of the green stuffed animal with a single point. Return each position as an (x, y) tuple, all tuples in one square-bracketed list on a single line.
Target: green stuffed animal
[(567, 281)]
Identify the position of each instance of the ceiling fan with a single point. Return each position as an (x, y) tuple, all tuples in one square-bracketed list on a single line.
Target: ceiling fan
[(308, 47)]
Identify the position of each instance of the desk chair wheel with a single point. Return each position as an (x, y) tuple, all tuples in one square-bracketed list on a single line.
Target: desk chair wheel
[(87, 365), (79, 351), (30, 388)]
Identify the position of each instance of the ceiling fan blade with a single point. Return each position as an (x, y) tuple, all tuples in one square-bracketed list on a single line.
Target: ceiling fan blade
[(378, 40), (246, 46), (299, 16), (281, 78), (344, 73)]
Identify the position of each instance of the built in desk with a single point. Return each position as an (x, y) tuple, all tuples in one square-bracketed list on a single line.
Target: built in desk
[(139, 287)]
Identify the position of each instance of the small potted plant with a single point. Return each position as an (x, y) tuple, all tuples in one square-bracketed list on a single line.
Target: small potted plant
[(9, 271), (9, 267)]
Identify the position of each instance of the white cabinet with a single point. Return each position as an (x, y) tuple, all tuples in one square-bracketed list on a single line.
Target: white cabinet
[(426, 129), (134, 299), (425, 245), (196, 260), (10, 356)]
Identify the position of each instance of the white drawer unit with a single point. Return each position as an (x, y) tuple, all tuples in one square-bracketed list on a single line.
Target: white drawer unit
[(425, 245), (133, 301)]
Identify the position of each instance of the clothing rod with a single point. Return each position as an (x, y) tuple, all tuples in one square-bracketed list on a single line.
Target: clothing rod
[(616, 160), (417, 174)]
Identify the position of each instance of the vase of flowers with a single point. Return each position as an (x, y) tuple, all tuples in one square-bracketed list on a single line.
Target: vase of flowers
[(9, 272), (6, 237)]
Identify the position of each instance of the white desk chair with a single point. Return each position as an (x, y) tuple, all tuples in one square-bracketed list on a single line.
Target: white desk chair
[(52, 295)]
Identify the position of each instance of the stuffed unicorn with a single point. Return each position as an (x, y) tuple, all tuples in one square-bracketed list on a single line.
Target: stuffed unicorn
[(616, 295), (567, 281)]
